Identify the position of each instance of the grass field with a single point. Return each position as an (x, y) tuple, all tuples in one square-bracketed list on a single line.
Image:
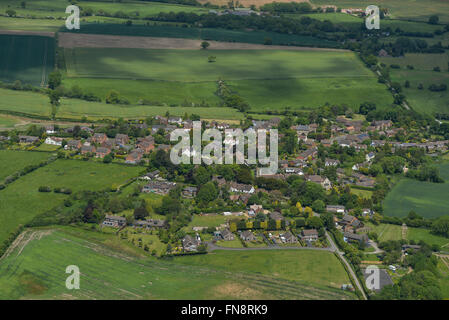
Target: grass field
[(36, 104), (56, 8), (13, 161), (26, 58), (427, 199), (206, 221), (308, 266), (35, 269), (422, 100), (387, 232), (419, 10), (266, 79), (7, 122), (362, 193), (21, 201)]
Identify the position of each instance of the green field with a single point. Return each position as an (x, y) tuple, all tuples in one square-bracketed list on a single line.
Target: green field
[(267, 79), (7, 122), (206, 221), (422, 100), (35, 269), (427, 199), (35, 104), (20, 201), (56, 8), (419, 10), (386, 232), (13, 161), (26, 58)]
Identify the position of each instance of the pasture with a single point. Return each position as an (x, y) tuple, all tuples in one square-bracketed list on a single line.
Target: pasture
[(422, 100), (56, 8), (36, 104), (20, 201), (425, 198), (13, 161), (267, 79), (418, 10), (35, 269), (7, 122), (26, 58)]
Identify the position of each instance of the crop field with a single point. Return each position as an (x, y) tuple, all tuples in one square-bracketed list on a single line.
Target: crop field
[(35, 104), (13, 161), (419, 10), (422, 100), (425, 198), (56, 8), (21, 195), (26, 58), (34, 268), (267, 79)]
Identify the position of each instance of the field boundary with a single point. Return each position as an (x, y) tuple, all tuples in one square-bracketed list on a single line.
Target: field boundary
[(81, 40)]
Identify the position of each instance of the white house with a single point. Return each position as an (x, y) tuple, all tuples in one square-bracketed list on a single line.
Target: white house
[(54, 141)]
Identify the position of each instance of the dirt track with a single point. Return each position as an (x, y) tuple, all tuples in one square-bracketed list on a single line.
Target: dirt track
[(31, 33), (72, 40)]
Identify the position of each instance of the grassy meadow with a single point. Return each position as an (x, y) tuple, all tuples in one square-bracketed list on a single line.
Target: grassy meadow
[(20, 201), (35, 269), (26, 58), (266, 79), (425, 198), (422, 100), (36, 104), (13, 161)]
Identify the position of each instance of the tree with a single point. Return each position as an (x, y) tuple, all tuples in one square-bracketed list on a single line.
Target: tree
[(207, 193), (23, 4), (11, 13), (314, 222), (141, 212), (205, 45), (433, 19), (113, 97), (54, 79), (318, 206), (212, 59), (54, 97), (201, 176)]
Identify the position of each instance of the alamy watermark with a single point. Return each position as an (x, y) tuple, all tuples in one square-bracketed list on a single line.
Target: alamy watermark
[(72, 281), (372, 20), (372, 280), (73, 21), (234, 143)]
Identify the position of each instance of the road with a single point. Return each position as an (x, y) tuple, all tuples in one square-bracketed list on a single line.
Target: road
[(352, 273)]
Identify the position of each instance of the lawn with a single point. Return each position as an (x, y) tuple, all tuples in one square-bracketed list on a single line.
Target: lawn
[(307, 266), (418, 10), (36, 104), (20, 201), (366, 194), (386, 232), (13, 161), (236, 243), (425, 198), (267, 79), (206, 221), (26, 58), (113, 269)]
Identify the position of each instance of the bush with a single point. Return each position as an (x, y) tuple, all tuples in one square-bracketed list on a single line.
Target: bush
[(44, 189)]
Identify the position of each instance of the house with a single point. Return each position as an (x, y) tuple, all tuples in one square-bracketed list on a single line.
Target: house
[(256, 208), (290, 170), (99, 138), (189, 192), (288, 237), (352, 237), (134, 157), (164, 147), (190, 243), (151, 175), (114, 221), (247, 236), (226, 235), (121, 139), (150, 224), (324, 182), (351, 221), (309, 235), (50, 129), (413, 247), (175, 120), (159, 187), (331, 162), (370, 156), (87, 149), (382, 124), (145, 146), (73, 145), (28, 139), (242, 188), (102, 152), (54, 141), (335, 209), (312, 153)]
